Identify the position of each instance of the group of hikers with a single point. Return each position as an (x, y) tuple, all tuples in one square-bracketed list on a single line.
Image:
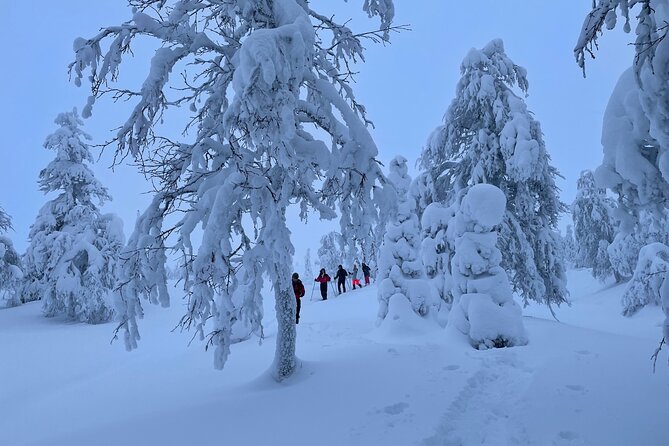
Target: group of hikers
[(323, 278)]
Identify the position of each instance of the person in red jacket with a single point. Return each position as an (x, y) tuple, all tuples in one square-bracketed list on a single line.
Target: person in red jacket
[(323, 279), (298, 289)]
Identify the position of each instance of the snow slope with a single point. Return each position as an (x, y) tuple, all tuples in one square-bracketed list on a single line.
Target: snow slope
[(584, 381)]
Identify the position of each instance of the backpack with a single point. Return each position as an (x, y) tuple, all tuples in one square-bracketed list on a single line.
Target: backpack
[(298, 289)]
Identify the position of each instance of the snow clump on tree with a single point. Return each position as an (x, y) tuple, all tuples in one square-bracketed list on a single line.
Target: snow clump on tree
[(72, 257), (484, 308)]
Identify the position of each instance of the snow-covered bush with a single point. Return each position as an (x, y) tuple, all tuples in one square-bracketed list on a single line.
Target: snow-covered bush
[(275, 123), (489, 136), (400, 269), (592, 213), (483, 308), (72, 257), (649, 275)]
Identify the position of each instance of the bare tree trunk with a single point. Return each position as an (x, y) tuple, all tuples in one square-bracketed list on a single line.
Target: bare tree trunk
[(280, 261)]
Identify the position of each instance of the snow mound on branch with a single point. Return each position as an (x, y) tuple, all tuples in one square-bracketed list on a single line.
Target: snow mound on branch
[(484, 205)]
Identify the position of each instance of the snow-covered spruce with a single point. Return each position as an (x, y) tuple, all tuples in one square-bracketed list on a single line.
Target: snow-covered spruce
[(329, 252), (489, 136), (483, 308), (10, 265), (259, 76), (569, 245), (5, 221), (400, 274), (308, 267), (436, 252), (594, 227), (72, 257)]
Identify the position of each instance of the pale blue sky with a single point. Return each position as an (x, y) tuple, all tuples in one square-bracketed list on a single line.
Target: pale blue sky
[(406, 86)]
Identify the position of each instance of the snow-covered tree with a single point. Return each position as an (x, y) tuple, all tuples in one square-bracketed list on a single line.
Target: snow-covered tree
[(436, 250), (265, 80), (329, 252), (5, 221), (308, 266), (593, 224), (400, 273), (489, 136), (10, 265), (570, 245), (483, 308), (72, 257), (635, 135), (646, 285)]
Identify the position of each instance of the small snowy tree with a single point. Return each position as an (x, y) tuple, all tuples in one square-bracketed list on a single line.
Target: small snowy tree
[(484, 308), (329, 253), (489, 136), (308, 266), (436, 250), (400, 273), (10, 265), (570, 245), (276, 123), (5, 221), (72, 257), (593, 224)]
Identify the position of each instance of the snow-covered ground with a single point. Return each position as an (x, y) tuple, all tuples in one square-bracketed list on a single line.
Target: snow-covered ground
[(586, 380)]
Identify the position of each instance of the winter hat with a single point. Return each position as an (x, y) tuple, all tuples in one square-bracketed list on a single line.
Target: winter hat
[(296, 276)]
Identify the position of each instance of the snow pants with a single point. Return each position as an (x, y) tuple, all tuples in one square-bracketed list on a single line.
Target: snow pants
[(341, 284)]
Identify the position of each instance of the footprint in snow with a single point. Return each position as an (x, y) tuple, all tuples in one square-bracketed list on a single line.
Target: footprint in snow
[(451, 367), (575, 387), (396, 409), (568, 438)]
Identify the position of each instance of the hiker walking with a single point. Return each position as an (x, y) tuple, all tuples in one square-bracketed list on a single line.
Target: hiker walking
[(365, 272), (341, 279), (354, 276), (298, 289), (323, 279)]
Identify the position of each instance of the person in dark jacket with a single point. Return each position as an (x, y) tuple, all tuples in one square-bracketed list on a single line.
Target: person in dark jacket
[(323, 279), (298, 289), (341, 279), (365, 272)]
